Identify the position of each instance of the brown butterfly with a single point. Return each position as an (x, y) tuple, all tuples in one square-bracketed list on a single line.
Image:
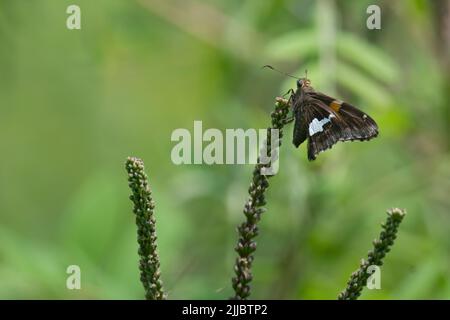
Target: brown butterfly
[(324, 120)]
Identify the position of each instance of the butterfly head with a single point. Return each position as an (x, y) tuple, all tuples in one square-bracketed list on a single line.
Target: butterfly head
[(303, 83)]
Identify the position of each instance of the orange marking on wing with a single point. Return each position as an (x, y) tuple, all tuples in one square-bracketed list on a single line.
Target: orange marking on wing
[(336, 105)]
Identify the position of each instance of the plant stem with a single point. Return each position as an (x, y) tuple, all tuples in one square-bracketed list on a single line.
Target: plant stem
[(253, 208), (146, 229), (381, 246)]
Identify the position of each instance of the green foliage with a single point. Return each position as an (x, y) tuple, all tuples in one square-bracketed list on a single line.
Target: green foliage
[(359, 69), (74, 104)]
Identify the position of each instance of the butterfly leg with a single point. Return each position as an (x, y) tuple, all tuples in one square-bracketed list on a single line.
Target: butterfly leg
[(290, 91)]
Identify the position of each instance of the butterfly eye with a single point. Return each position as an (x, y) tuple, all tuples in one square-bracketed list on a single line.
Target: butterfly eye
[(299, 83)]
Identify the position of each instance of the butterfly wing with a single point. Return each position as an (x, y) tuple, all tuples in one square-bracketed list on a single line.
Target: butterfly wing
[(301, 125), (359, 125), (325, 121), (325, 128)]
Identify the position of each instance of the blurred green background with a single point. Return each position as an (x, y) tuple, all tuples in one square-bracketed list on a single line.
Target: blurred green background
[(75, 103)]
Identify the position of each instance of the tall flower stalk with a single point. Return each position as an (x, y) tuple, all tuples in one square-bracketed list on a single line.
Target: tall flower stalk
[(253, 208), (381, 247), (146, 229)]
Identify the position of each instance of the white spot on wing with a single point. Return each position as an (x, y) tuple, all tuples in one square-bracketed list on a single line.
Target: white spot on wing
[(317, 126)]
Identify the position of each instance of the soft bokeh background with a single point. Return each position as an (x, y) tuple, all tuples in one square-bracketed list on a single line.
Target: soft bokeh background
[(75, 104)]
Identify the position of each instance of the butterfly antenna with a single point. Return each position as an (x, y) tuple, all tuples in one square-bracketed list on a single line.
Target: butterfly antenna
[(306, 74), (284, 73)]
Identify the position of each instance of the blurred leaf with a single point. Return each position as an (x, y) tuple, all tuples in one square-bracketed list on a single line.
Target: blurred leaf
[(92, 219), (37, 268), (297, 45), (362, 85), (420, 283), (368, 57)]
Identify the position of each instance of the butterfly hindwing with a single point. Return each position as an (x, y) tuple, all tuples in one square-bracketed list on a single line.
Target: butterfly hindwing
[(300, 127)]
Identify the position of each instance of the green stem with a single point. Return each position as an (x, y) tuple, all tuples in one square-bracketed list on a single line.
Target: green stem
[(382, 246), (146, 229), (253, 208)]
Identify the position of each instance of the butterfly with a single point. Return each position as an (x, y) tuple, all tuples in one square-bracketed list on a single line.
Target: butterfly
[(324, 120)]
